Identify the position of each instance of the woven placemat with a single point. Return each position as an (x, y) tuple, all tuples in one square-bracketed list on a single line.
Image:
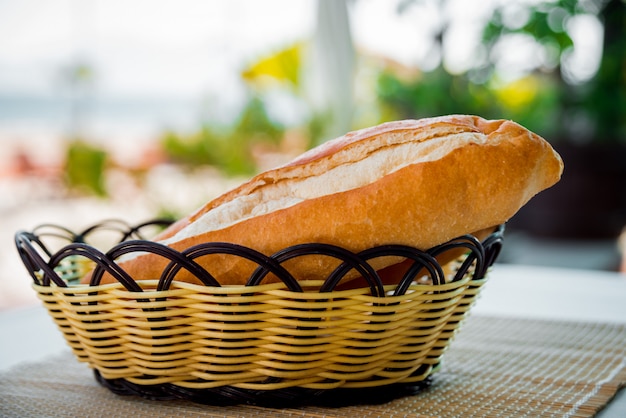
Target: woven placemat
[(495, 367)]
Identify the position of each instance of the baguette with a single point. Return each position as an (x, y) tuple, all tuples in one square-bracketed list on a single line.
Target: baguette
[(412, 182)]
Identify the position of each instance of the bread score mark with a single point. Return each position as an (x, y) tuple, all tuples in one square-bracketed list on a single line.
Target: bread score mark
[(340, 178)]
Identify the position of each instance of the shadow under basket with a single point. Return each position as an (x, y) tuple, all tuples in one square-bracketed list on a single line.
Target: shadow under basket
[(285, 343)]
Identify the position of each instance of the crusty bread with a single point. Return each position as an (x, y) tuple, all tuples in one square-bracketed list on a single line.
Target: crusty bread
[(414, 182)]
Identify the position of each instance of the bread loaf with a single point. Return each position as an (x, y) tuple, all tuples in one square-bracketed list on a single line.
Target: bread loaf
[(413, 182)]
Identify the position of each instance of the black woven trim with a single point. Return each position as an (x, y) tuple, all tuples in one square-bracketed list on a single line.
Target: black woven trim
[(41, 262), (278, 398)]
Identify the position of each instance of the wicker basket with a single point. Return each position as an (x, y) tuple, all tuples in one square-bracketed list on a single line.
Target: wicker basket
[(284, 343)]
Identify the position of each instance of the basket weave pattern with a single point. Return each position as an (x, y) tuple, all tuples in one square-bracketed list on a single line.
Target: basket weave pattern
[(264, 337), (261, 337)]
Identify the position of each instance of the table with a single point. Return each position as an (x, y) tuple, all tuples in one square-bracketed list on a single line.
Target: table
[(513, 291)]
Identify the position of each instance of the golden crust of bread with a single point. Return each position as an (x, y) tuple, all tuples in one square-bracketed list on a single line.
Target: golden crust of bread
[(415, 182)]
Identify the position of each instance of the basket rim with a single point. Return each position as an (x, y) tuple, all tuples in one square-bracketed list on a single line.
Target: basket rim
[(47, 267)]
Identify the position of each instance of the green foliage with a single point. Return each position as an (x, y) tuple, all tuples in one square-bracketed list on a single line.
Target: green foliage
[(545, 22), (198, 148), (316, 127), (255, 126), (85, 167), (606, 99), (532, 101), (228, 149), (601, 101), (434, 93), (544, 100)]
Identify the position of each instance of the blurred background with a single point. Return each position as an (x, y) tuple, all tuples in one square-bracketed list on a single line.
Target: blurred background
[(137, 109)]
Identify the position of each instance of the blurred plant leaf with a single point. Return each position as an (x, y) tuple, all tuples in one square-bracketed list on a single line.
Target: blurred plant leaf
[(255, 124), (601, 100), (546, 21), (230, 149), (532, 101), (433, 93), (85, 167), (282, 66)]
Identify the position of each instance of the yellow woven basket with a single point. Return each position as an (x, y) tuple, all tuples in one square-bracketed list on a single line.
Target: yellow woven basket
[(253, 344)]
